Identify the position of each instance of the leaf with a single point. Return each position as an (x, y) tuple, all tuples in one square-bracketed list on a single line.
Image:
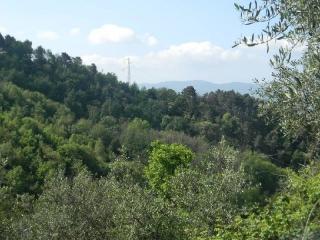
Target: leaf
[(271, 62), (257, 13), (245, 40), (292, 91), (251, 44), (298, 81), (235, 45), (281, 37), (288, 95)]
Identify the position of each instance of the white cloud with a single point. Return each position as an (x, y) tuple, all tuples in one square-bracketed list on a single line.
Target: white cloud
[(74, 31), (149, 39), (48, 35), (198, 51), (189, 61), (110, 33), (152, 41)]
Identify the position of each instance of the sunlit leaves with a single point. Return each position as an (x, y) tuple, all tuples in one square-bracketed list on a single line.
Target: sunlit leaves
[(164, 161)]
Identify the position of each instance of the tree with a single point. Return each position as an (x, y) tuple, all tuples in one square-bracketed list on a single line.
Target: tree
[(292, 95), (100, 151), (190, 97), (266, 175), (129, 172), (84, 208), (164, 161), (17, 180), (207, 194), (136, 137), (294, 20), (76, 157), (230, 126), (291, 214)]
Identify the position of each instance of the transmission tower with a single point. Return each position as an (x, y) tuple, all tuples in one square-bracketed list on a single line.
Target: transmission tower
[(129, 71)]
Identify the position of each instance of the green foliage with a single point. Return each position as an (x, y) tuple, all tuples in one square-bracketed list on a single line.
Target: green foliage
[(17, 179), (128, 172), (30, 147), (207, 194), (265, 174), (60, 116), (296, 20), (164, 161), (102, 209), (196, 144), (88, 95), (76, 156), (136, 138), (292, 214), (292, 94)]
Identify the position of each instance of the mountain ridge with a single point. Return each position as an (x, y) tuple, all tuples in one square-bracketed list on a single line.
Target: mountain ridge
[(203, 87)]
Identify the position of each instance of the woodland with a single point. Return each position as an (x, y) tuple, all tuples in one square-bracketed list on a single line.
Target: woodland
[(86, 156)]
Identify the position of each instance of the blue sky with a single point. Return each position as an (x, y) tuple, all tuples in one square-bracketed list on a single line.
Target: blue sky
[(165, 39)]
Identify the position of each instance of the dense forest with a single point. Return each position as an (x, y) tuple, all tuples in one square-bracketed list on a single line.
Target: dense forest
[(85, 156)]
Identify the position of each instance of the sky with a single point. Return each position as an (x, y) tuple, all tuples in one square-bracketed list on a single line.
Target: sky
[(166, 40)]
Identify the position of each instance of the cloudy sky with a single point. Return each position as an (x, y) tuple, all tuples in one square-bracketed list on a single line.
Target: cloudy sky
[(166, 40)]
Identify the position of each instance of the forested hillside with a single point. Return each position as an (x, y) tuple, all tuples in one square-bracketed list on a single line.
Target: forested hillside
[(85, 156)]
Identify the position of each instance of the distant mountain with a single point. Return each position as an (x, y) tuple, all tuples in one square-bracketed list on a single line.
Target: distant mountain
[(203, 87)]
